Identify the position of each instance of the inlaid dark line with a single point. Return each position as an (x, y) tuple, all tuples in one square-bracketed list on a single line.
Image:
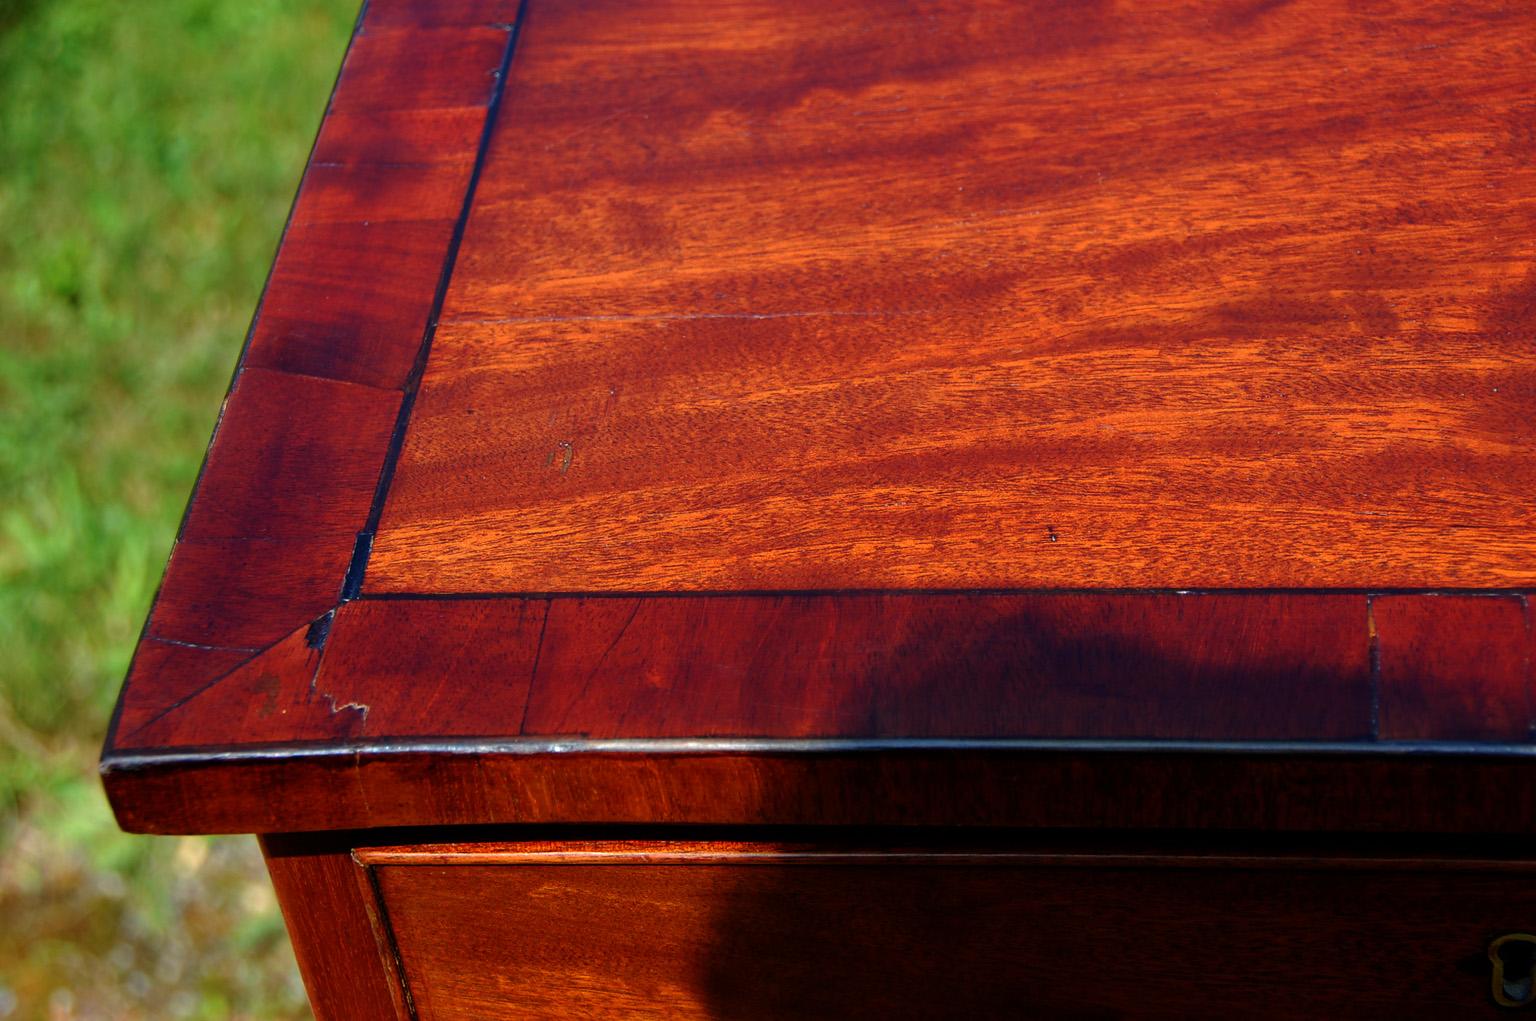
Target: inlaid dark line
[(533, 674), (855, 592), (381, 908)]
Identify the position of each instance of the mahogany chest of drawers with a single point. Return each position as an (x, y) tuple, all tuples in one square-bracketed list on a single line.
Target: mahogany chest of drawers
[(857, 508)]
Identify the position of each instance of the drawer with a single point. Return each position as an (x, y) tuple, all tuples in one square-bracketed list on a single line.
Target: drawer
[(671, 930)]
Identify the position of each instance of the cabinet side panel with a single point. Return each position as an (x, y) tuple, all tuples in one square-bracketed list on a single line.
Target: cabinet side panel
[(348, 972)]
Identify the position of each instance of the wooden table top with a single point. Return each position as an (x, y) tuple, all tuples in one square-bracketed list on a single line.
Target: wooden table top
[(1099, 413)]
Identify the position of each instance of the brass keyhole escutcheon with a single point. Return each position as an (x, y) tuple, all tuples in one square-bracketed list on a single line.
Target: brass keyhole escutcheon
[(1514, 969)]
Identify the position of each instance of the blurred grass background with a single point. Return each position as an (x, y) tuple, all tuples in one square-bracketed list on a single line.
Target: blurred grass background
[(148, 154)]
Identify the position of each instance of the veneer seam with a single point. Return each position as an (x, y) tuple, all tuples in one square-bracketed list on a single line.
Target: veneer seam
[(181, 702)]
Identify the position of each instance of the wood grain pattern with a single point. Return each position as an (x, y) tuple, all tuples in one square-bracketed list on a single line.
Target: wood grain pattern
[(860, 294), (1007, 373), (872, 667), (348, 972), (942, 935), (530, 689), (351, 300), (273, 690), (245, 594), (437, 13), (269, 532), (420, 68), (358, 193), (455, 670), (920, 422), (1177, 667), (410, 136), (1454, 667), (326, 451), (161, 673)]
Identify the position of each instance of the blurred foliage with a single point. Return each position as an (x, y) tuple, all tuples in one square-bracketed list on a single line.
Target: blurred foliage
[(148, 153)]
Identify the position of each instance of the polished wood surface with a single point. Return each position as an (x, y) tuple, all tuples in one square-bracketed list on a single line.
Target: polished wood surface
[(859, 508), (509, 693), (1257, 667), (741, 930), (1020, 414), (1454, 666), (866, 294)]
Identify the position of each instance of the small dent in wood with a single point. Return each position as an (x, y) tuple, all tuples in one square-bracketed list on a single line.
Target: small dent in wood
[(563, 453)]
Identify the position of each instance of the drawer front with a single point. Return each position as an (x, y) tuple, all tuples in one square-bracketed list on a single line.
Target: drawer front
[(756, 932)]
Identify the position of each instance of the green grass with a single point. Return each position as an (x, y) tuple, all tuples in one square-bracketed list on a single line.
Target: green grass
[(148, 153)]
